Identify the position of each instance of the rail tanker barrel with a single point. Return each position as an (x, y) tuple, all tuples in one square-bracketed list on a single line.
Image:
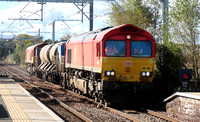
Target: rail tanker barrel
[(52, 52), (44, 53)]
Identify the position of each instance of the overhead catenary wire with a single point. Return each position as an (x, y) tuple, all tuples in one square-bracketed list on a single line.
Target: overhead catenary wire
[(80, 10)]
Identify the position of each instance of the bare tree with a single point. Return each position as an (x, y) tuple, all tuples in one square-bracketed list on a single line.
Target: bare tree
[(184, 20)]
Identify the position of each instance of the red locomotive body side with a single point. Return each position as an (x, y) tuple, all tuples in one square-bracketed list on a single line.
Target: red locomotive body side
[(81, 53)]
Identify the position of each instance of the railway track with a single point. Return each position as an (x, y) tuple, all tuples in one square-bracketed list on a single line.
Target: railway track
[(123, 115), (149, 115), (68, 108), (100, 109)]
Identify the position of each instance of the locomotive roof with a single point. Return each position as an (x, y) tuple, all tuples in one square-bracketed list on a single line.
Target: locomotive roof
[(103, 31)]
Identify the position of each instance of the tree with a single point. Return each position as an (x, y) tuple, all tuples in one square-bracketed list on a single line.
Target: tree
[(66, 37), (140, 13), (184, 20), (27, 40), (166, 79)]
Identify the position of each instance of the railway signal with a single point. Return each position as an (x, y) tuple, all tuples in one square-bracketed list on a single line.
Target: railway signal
[(185, 75)]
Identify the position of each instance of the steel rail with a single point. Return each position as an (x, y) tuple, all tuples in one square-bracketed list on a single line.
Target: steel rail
[(123, 114), (162, 116), (76, 113)]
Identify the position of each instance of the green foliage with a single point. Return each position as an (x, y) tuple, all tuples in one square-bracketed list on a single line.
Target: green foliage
[(48, 41), (134, 13), (184, 23), (169, 60), (145, 16), (27, 40), (9, 58), (6, 47)]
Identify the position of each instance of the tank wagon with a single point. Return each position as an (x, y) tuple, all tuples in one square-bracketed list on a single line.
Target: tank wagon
[(50, 67), (109, 64)]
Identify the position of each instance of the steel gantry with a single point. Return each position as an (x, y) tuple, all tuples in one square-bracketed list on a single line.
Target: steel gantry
[(76, 2), (80, 4)]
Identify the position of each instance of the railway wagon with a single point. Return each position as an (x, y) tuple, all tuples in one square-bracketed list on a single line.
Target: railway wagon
[(110, 64), (51, 66), (32, 59)]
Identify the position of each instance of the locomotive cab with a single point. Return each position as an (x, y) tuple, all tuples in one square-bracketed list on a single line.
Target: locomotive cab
[(128, 60)]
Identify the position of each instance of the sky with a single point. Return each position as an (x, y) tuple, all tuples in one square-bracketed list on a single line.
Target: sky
[(52, 11)]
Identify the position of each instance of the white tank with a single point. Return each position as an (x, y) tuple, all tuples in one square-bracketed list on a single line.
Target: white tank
[(44, 53), (52, 52)]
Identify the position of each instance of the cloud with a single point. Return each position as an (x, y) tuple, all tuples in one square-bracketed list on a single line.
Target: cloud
[(52, 11)]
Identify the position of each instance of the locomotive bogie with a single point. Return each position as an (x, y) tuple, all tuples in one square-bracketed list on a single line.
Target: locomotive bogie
[(80, 84)]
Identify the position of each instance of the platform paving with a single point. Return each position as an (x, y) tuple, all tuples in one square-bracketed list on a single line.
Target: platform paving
[(18, 105)]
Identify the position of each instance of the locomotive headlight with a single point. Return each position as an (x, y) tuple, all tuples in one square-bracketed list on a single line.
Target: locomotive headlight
[(143, 74), (112, 73), (146, 74), (109, 73), (128, 37)]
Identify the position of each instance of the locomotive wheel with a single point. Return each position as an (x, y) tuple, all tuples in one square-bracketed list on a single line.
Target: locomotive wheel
[(101, 101), (96, 99), (106, 103), (44, 76), (79, 92), (63, 84), (89, 92)]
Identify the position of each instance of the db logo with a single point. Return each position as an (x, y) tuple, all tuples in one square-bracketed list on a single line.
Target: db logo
[(127, 63)]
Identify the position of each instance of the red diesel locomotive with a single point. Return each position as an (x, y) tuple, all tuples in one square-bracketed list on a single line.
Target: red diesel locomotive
[(109, 64)]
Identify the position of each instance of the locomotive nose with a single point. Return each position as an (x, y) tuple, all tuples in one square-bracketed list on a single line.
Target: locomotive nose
[(128, 69)]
